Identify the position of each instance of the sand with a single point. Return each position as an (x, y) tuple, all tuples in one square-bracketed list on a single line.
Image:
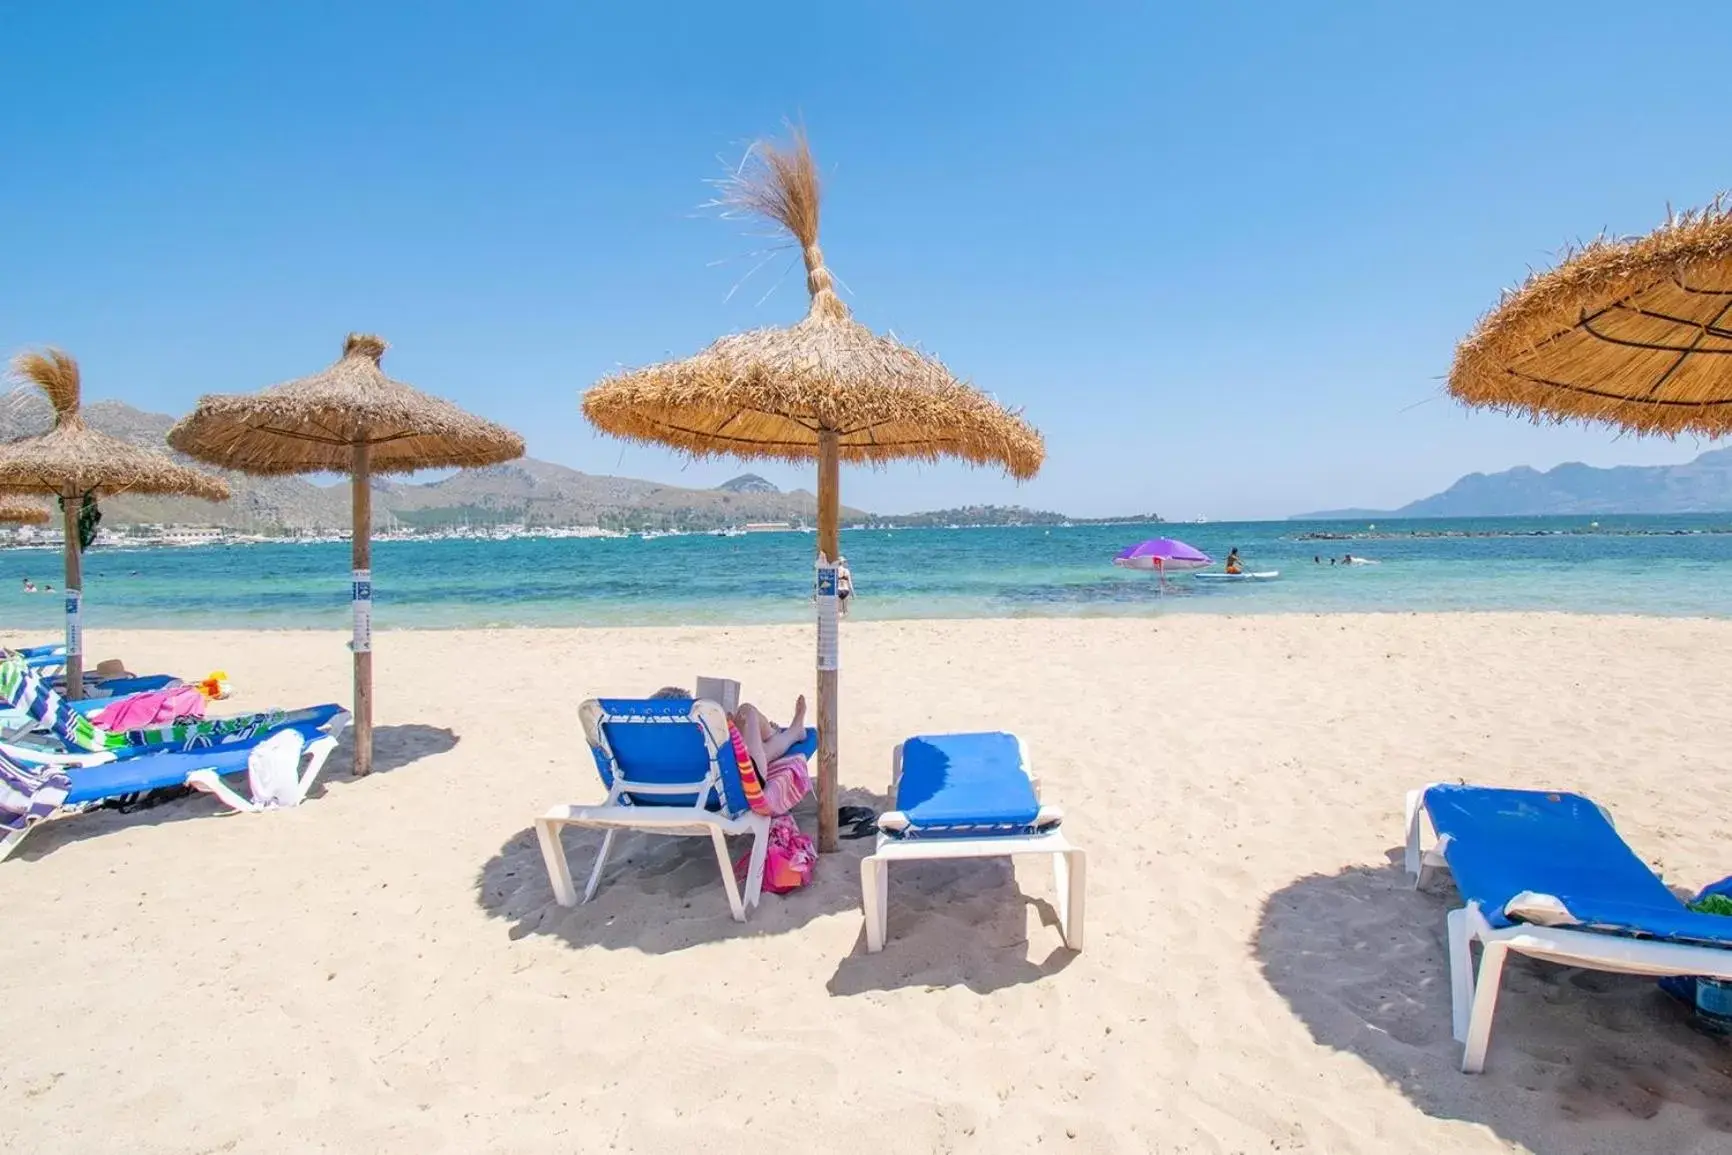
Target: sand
[(384, 969)]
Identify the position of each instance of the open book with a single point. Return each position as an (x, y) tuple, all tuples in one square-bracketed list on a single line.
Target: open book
[(724, 691)]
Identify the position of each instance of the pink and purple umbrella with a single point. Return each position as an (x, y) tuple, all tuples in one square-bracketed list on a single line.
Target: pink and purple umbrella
[(1164, 555)]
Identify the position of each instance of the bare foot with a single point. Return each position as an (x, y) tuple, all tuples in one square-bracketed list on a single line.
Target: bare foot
[(799, 722)]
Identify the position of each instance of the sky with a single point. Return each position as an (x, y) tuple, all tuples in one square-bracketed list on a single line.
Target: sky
[(1219, 254)]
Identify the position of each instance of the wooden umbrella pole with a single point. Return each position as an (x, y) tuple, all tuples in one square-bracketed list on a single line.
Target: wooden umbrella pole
[(829, 641), (361, 559), (70, 504)]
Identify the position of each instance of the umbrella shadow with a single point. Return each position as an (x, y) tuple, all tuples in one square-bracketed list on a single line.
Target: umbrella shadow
[(394, 747), (1361, 958), (659, 894), (958, 922)]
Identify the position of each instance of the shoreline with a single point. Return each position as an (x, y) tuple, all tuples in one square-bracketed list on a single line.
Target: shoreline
[(26, 637)]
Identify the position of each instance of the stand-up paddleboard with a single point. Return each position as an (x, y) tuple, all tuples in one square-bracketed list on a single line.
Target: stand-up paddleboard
[(1267, 575)]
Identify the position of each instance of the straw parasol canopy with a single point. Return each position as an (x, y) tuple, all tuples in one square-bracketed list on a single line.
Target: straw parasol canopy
[(825, 389), (352, 419), (1632, 332), (22, 513), (313, 424), (76, 464)]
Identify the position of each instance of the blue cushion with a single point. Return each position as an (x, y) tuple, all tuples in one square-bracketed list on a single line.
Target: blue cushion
[(671, 750), (1504, 842), (965, 785), (131, 775)]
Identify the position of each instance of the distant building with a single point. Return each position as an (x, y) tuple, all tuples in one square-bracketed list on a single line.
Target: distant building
[(191, 535)]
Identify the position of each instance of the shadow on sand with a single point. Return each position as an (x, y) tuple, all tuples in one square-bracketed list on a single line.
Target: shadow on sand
[(394, 747), (1361, 958), (951, 923), (957, 922)]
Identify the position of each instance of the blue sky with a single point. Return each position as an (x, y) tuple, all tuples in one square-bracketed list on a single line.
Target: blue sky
[(1220, 253)]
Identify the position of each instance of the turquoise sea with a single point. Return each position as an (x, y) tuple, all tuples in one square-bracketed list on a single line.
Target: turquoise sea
[(1638, 565)]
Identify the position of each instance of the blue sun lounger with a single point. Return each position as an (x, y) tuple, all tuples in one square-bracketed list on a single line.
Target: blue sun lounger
[(968, 796), (669, 768), (37, 786), (1546, 875)]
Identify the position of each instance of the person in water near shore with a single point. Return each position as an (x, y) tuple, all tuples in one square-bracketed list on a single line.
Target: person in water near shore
[(1233, 563), (844, 584), (29, 586)]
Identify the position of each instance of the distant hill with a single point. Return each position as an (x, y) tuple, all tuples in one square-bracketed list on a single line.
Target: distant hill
[(1700, 486), (747, 483), (529, 491)]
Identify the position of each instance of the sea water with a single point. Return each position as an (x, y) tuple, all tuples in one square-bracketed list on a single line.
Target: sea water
[(1635, 565)]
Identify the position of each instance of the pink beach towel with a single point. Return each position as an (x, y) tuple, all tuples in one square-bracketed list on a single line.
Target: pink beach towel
[(786, 783), (153, 708)]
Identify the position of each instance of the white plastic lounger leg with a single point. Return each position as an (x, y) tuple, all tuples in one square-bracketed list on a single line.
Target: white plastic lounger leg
[(600, 861), (721, 843), (1070, 872), (755, 869), (553, 854), (874, 902), (12, 839), (1460, 973), (1414, 863), (317, 751), (1491, 960), (210, 783)]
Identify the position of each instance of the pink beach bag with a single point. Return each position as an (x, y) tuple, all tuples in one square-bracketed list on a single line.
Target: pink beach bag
[(790, 860)]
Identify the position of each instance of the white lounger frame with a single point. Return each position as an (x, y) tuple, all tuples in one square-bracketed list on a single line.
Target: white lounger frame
[(1069, 864), (1474, 1000), (313, 757), (617, 813)]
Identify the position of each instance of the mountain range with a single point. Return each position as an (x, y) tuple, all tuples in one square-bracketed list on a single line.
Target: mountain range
[(1700, 486), (527, 490)]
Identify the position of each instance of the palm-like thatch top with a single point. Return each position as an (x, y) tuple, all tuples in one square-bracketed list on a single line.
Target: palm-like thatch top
[(1637, 333), (311, 425), (769, 392), (22, 513), (73, 458)]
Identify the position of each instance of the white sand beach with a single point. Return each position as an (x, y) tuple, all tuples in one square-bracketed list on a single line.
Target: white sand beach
[(384, 969)]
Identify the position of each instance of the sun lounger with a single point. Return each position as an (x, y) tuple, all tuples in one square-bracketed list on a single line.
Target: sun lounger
[(35, 787), (669, 768), (1546, 875), (968, 796), (23, 691)]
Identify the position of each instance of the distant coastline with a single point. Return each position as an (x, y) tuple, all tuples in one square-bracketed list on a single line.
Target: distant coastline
[(1701, 486)]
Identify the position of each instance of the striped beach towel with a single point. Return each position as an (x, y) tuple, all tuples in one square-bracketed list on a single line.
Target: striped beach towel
[(750, 784), (29, 796)]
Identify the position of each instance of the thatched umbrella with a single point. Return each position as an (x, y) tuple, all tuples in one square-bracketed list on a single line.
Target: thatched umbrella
[(22, 513), (826, 388), (77, 464), (1635, 332), (351, 419)]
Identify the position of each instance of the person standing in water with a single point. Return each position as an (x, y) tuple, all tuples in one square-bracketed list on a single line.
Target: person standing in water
[(844, 585)]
